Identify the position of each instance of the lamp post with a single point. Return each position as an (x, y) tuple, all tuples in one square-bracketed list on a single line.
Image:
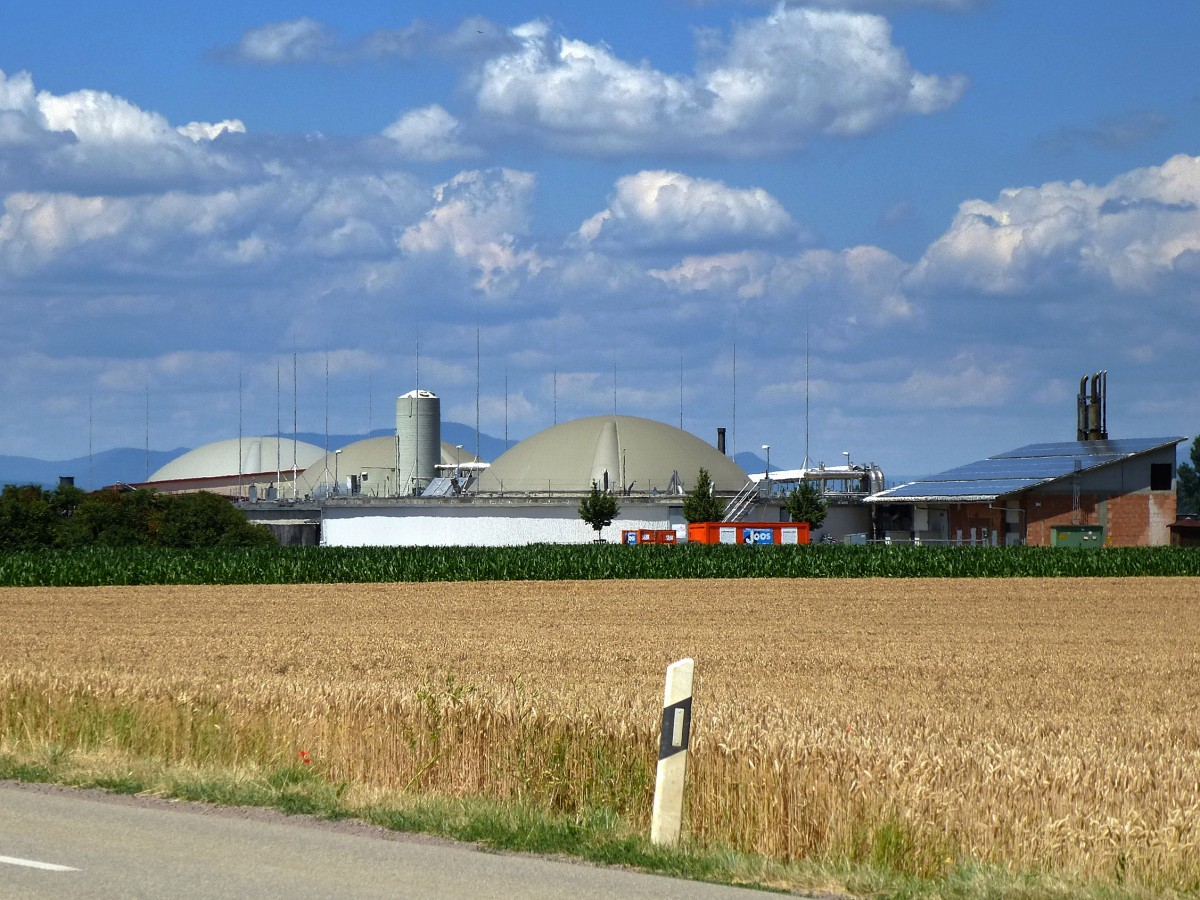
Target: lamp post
[(457, 458), (846, 453), (336, 456), (767, 474)]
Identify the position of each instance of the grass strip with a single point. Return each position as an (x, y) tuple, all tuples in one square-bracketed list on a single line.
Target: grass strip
[(595, 836)]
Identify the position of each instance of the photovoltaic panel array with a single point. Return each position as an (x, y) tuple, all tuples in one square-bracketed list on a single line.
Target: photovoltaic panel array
[(1119, 447), (1020, 469)]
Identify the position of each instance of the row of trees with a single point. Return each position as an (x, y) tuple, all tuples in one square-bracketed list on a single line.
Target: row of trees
[(34, 518), (804, 504)]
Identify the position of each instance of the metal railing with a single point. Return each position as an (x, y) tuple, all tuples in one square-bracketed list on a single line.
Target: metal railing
[(741, 502)]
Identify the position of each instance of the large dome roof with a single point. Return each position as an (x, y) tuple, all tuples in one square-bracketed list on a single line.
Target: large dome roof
[(220, 459), (637, 454)]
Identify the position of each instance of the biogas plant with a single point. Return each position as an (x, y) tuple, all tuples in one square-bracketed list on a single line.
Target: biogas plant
[(413, 488)]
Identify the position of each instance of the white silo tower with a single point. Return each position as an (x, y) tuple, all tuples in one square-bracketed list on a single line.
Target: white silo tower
[(418, 439)]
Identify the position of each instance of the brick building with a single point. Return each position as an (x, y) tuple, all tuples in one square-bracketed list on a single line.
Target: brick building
[(1117, 492)]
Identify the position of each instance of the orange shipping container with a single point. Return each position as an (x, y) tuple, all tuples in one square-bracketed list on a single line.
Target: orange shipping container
[(756, 533), (650, 536)]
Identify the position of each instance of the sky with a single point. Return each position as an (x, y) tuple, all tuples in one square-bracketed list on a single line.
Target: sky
[(899, 228)]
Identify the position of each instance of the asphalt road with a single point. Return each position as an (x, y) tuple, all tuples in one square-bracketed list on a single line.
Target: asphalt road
[(63, 843)]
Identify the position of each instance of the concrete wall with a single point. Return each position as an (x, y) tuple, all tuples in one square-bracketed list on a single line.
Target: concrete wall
[(482, 525), (840, 519)]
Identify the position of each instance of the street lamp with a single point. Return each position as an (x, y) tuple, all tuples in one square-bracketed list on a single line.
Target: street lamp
[(767, 474), (846, 453), (457, 458), (336, 455)]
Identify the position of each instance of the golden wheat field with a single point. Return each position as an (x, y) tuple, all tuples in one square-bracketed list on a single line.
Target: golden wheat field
[(1045, 724)]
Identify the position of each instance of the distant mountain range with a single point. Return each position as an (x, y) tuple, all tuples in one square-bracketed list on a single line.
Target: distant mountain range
[(126, 464), (131, 465)]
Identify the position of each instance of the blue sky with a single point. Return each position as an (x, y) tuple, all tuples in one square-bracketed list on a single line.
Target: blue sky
[(548, 210)]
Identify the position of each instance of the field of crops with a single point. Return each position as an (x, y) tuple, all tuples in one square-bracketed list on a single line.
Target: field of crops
[(1040, 723), (361, 565)]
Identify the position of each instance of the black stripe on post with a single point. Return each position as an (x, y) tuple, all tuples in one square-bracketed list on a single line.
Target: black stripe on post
[(668, 744)]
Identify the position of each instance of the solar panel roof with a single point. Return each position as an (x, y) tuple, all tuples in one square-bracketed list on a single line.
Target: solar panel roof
[(1020, 469), (1119, 447), (958, 490)]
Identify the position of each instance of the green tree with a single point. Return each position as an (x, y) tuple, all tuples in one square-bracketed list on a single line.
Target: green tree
[(598, 508), (26, 518), (1188, 482), (204, 519), (112, 518), (805, 504), (701, 504), (31, 517)]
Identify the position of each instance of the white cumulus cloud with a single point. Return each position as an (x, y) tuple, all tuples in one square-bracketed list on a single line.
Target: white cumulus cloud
[(856, 286), (88, 139), (1128, 234), (658, 208), (477, 217), (287, 221), (742, 275), (882, 5), (210, 131), (772, 86), (21, 119), (960, 383), (293, 41), (429, 134), (307, 41)]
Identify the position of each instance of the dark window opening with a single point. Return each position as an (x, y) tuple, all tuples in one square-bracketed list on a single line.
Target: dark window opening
[(1160, 476)]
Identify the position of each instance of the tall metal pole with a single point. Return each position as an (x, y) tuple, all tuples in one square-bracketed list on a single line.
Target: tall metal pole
[(681, 391), (239, 481), (478, 381), (147, 431), (278, 429), (295, 405)]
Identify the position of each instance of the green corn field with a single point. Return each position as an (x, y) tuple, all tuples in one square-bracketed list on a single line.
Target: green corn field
[(355, 565)]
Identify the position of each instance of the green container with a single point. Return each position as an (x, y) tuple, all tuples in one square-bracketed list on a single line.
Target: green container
[(1076, 536)]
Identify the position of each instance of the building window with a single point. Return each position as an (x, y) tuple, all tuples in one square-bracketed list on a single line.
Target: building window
[(1160, 476)]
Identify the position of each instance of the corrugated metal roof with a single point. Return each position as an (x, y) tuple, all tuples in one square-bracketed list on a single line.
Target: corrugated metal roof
[(1018, 470)]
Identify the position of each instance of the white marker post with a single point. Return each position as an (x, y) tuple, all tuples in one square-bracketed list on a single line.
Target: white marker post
[(666, 822)]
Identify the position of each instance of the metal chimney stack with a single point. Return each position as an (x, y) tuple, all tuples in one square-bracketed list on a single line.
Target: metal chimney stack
[(1092, 415)]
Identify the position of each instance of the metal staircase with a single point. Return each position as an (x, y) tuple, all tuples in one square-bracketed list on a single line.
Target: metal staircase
[(741, 503)]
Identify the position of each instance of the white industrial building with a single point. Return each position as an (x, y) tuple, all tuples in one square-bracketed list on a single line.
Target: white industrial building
[(415, 489)]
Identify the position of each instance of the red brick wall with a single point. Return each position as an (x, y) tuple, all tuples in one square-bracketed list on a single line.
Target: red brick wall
[(1139, 520), (1129, 520), (1044, 511), (978, 516)]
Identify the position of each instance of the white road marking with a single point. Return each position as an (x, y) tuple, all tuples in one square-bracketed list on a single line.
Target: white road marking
[(34, 864)]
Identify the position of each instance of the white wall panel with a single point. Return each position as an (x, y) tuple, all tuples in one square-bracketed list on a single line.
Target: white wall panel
[(471, 525)]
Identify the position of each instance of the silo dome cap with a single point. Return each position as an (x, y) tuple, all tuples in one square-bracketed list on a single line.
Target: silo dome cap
[(419, 395)]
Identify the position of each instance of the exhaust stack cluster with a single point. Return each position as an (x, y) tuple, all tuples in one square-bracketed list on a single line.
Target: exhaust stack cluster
[(1092, 418)]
